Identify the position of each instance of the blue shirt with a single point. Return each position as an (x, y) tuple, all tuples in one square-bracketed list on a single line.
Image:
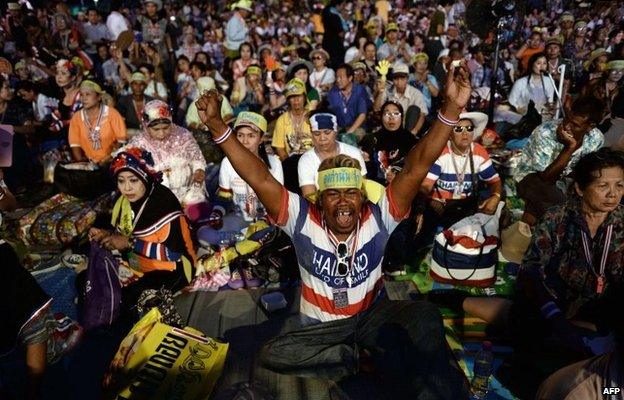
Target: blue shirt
[(347, 110)]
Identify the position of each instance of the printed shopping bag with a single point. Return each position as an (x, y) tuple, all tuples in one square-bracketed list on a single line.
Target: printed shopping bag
[(156, 361)]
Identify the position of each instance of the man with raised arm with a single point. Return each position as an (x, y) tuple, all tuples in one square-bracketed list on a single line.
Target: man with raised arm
[(340, 241)]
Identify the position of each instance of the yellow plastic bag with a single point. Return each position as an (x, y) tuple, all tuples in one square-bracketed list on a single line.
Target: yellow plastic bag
[(157, 361)]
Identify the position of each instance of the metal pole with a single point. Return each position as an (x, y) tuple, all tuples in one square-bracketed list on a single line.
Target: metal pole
[(493, 80)]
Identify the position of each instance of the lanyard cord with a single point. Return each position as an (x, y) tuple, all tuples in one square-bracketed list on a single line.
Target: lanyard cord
[(334, 241), (605, 252), (460, 175)]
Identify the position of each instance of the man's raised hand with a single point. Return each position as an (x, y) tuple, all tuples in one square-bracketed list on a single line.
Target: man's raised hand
[(209, 111), (457, 90)]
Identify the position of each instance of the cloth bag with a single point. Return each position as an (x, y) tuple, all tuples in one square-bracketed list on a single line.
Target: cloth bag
[(103, 289), (466, 254), (195, 205), (59, 220), (157, 361)]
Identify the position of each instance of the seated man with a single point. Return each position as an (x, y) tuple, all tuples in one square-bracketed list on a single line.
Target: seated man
[(340, 241), (348, 102), (552, 150), (324, 132), (130, 106)]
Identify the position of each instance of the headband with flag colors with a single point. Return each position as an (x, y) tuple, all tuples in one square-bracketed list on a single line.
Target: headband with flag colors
[(322, 121)]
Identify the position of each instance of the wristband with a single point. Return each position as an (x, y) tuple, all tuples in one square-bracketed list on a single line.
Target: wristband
[(223, 137), (549, 310), (446, 121)]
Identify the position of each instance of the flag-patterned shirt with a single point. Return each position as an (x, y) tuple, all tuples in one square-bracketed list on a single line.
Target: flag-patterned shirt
[(443, 177), (316, 256)]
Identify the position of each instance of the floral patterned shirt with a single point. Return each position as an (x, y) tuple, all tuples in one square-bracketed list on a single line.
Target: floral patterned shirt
[(556, 258), (543, 148)]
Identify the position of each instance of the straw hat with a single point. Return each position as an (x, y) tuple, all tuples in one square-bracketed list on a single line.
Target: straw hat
[(593, 56), (515, 240), (319, 51)]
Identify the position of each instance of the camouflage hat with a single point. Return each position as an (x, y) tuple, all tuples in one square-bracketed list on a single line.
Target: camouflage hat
[(294, 87)]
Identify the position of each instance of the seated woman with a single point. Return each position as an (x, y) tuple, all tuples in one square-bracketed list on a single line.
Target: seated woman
[(324, 133), (239, 66), (451, 184), (388, 147), (149, 227), (234, 192), (248, 92), (292, 135), (571, 274), (301, 70), (174, 149), (97, 130), (533, 87)]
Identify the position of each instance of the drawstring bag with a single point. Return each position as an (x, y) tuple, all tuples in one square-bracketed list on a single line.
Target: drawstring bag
[(466, 254), (103, 289)]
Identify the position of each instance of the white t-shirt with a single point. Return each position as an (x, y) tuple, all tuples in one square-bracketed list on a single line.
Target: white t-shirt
[(243, 195), (158, 91), (522, 92), (310, 161), (324, 77)]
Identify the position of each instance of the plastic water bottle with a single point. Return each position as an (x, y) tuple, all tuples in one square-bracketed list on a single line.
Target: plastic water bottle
[(482, 370)]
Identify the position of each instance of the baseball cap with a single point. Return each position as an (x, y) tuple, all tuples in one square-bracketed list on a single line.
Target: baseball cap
[(252, 120), (400, 69), (294, 87), (138, 77)]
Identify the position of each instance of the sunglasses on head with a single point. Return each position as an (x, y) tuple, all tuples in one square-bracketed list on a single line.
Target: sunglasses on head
[(343, 259), (460, 129)]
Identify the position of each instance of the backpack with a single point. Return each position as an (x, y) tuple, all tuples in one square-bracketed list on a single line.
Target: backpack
[(102, 290)]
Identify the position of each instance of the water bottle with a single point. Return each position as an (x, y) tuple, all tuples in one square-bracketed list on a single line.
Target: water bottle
[(482, 370)]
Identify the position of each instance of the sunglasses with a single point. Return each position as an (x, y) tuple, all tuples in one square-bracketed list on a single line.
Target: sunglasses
[(317, 58), (460, 129), (343, 258), (393, 114)]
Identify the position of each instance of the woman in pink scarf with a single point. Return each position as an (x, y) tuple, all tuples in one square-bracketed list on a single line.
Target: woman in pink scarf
[(174, 149)]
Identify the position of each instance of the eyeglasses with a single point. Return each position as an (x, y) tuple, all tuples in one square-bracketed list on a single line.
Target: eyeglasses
[(317, 58), (343, 258), (392, 114), (460, 129)]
